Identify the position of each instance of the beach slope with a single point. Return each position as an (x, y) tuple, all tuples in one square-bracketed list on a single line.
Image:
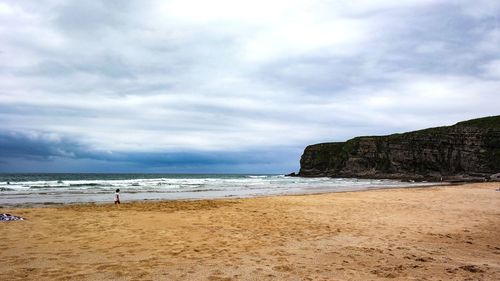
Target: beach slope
[(433, 233)]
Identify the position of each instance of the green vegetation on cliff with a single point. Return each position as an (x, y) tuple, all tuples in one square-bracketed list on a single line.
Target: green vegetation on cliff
[(491, 122)]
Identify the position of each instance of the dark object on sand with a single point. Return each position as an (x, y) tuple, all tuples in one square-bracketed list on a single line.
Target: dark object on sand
[(471, 268), (9, 217)]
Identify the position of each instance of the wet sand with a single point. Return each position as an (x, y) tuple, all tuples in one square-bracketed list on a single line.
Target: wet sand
[(432, 233)]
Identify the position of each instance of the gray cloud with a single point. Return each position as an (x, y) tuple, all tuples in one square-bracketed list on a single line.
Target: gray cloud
[(29, 148), (145, 78)]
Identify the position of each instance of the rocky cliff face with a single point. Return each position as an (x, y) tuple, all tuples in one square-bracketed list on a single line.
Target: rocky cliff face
[(469, 150)]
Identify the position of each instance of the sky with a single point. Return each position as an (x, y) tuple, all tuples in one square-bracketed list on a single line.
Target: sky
[(226, 86)]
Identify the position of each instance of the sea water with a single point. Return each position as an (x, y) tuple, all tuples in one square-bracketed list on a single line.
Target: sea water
[(44, 189)]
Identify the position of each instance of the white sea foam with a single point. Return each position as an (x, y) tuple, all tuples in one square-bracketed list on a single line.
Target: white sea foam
[(178, 187)]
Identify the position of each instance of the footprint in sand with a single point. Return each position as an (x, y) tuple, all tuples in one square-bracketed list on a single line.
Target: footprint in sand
[(283, 268), (219, 278)]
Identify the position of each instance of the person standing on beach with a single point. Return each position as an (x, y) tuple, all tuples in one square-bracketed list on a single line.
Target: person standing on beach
[(117, 196)]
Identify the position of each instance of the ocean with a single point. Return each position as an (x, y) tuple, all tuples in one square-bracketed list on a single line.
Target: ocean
[(47, 189)]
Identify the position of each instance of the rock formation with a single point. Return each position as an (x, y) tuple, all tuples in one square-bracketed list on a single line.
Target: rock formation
[(468, 150)]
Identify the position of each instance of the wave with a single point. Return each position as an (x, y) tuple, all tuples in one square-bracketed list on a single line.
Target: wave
[(85, 184), (41, 186)]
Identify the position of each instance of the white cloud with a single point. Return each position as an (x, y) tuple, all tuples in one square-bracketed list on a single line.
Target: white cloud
[(431, 47), (492, 69), (241, 75)]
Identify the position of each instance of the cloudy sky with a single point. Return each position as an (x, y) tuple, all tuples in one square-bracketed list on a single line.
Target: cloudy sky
[(227, 86)]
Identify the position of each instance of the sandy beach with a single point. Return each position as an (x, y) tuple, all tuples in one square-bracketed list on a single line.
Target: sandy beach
[(432, 233)]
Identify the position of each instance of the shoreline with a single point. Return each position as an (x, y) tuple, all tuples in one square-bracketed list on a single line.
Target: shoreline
[(55, 204), (442, 232)]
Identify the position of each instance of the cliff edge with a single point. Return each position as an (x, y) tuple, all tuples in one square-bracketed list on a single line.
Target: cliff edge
[(468, 150)]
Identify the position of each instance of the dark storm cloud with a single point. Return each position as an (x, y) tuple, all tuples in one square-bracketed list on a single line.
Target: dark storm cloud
[(40, 146), (43, 148)]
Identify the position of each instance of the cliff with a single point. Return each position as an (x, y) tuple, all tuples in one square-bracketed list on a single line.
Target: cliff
[(468, 150)]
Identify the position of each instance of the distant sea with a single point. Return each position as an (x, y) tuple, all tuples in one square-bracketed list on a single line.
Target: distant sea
[(46, 189)]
